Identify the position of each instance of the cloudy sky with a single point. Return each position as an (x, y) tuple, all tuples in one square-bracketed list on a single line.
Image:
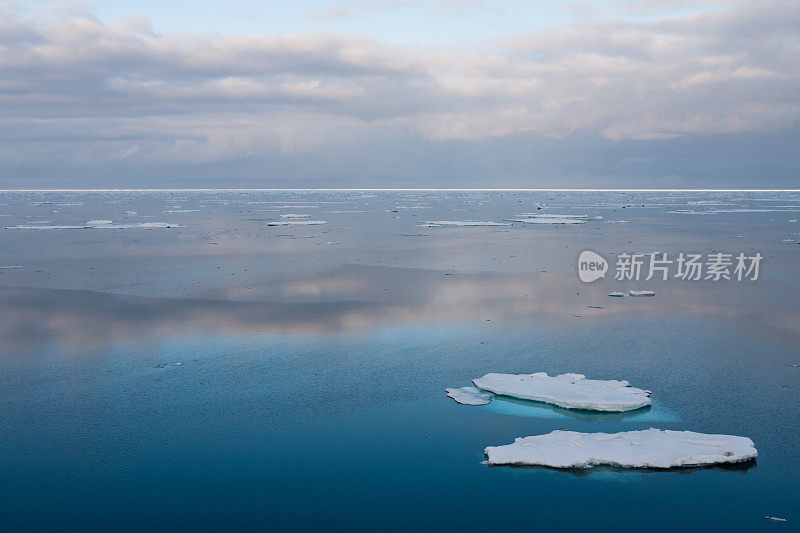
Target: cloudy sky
[(400, 93)]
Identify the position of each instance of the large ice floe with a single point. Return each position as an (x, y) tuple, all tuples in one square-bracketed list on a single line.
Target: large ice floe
[(468, 396), (650, 448), (570, 391)]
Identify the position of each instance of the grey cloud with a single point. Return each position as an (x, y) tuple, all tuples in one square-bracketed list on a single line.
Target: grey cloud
[(77, 91)]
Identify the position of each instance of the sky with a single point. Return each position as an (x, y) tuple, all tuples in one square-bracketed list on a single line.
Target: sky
[(400, 93)]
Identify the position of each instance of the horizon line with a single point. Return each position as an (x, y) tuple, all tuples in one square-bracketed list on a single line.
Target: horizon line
[(357, 189)]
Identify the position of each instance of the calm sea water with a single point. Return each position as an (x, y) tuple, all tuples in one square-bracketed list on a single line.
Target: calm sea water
[(230, 374)]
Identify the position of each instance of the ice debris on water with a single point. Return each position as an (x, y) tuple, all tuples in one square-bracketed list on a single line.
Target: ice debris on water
[(468, 396)]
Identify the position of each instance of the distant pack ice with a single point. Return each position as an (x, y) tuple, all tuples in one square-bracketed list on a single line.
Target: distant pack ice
[(650, 448), (571, 391)]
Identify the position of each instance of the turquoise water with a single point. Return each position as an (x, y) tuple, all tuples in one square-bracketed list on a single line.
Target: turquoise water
[(230, 375), (354, 431)]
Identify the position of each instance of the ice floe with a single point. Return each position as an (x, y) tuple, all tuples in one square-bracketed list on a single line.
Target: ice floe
[(468, 396), (571, 391), (650, 448), (102, 224), (641, 293), (544, 218), (296, 223), (787, 209), (552, 215), (442, 223), (548, 220)]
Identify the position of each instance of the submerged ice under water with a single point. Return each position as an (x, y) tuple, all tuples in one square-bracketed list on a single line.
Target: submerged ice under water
[(227, 373)]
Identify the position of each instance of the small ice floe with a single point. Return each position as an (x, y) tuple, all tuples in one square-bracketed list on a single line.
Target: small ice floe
[(570, 391), (534, 218), (650, 448), (468, 396), (164, 365), (443, 223), (616, 294), (170, 211), (330, 243), (10, 267), (706, 202), (636, 294), (553, 215), (98, 222), (776, 519), (785, 209), (296, 223), (295, 215)]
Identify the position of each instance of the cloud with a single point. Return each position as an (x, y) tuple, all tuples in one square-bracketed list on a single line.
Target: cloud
[(77, 91)]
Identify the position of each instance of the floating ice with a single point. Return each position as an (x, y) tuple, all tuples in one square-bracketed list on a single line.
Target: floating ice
[(103, 224), (571, 391), (295, 215), (549, 220), (641, 293), (551, 215), (544, 218), (469, 396), (786, 209), (616, 294), (441, 223), (650, 448), (296, 223)]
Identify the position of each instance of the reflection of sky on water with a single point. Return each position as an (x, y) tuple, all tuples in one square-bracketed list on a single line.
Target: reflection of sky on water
[(361, 299)]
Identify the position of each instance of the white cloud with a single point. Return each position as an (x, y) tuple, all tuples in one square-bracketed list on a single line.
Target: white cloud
[(79, 90)]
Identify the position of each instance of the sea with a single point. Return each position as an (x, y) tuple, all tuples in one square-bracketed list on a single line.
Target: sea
[(275, 360)]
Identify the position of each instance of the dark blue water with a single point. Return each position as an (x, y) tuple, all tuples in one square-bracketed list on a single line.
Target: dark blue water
[(354, 431), (313, 362)]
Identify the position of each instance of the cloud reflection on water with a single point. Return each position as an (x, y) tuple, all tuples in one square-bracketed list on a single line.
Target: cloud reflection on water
[(348, 299)]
